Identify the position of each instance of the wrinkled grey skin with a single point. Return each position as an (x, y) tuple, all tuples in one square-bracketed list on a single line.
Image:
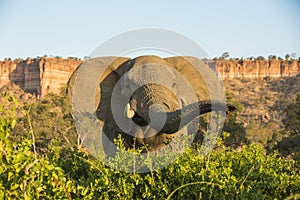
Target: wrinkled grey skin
[(156, 95)]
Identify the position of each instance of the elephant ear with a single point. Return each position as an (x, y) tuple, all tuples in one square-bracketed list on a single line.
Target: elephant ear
[(200, 76), (103, 70)]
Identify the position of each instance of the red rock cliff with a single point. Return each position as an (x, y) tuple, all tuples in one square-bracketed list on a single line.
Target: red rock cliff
[(41, 76), (254, 69), (38, 76)]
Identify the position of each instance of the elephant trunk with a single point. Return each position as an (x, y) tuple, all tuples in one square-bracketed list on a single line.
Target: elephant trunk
[(180, 118)]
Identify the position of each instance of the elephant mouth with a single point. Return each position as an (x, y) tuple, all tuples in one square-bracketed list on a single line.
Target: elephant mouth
[(143, 120), (139, 120), (130, 112), (152, 116)]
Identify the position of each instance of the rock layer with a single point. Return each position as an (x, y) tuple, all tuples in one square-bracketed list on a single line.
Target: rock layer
[(38, 76), (255, 69), (44, 75)]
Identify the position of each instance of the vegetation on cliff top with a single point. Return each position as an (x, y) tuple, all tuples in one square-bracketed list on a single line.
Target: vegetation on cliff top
[(224, 56)]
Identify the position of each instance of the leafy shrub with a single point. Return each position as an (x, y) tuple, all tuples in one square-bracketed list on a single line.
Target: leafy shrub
[(51, 121), (65, 173)]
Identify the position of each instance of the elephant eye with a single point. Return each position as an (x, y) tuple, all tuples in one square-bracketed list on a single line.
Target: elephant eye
[(166, 105)]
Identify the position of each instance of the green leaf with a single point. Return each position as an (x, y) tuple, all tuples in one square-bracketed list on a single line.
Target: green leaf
[(15, 186), (13, 123), (10, 174)]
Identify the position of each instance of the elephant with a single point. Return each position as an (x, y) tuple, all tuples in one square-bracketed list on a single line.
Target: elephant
[(147, 100)]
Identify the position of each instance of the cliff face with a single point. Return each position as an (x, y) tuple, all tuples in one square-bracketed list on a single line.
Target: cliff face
[(255, 69), (37, 76), (41, 76)]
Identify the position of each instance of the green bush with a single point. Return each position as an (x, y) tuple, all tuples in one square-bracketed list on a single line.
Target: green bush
[(65, 173)]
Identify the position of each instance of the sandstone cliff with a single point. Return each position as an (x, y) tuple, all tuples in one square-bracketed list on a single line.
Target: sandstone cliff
[(255, 69), (44, 75), (37, 76)]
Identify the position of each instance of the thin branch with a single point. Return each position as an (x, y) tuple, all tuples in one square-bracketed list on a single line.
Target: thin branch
[(26, 170), (63, 134), (251, 169), (193, 183), (31, 132)]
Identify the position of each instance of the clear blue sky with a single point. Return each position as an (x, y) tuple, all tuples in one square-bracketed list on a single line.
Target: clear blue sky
[(75, 28)]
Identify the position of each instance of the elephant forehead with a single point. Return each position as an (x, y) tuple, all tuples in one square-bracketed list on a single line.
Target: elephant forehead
[(155, 93), (151, 73)]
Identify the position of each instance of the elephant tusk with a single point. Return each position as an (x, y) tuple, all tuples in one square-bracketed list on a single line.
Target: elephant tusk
[(183, 102), (128, 112)]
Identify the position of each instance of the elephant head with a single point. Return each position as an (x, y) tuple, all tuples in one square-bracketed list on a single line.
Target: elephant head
[(149, 99)]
